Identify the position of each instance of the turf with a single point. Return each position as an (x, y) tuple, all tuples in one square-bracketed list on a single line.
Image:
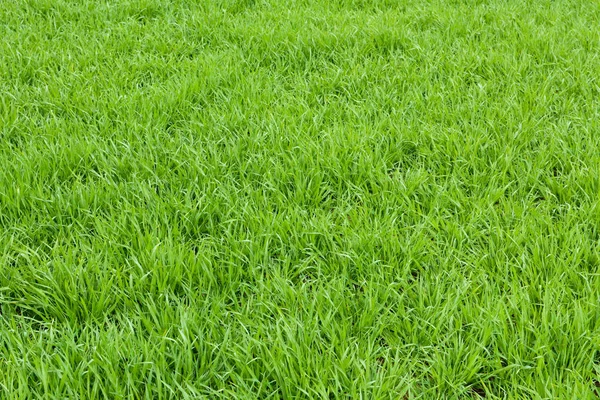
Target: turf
[(299, 199)]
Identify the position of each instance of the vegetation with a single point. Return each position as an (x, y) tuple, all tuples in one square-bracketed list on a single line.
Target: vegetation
[(299, 199)]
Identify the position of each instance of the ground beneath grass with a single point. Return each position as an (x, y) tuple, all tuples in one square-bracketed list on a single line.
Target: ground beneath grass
[(299, 199)]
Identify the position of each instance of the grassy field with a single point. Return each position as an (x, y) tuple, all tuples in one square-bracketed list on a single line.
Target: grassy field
[(300, 199)]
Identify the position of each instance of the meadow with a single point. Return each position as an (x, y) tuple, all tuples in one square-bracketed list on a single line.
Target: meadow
[(270, 199)]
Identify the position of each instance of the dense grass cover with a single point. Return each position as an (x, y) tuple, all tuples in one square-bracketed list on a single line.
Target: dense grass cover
[(299, 199)]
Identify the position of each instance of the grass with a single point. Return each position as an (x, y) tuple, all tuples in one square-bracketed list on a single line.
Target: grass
[(299, 199)]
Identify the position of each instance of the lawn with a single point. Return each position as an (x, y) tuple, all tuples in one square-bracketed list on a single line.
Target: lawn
[(377, 199)]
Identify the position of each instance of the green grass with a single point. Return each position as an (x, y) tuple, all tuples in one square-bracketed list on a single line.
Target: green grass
[(299, 199)]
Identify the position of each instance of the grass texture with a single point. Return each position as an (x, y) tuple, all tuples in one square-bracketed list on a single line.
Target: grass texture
[(271, 199)]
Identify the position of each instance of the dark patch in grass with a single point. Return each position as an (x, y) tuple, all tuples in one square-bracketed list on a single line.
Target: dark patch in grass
[(144, 13), (199, 224), (479, 391), (386, 44), (399, 154), (358, 287), (596, 389), (383, 342)]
